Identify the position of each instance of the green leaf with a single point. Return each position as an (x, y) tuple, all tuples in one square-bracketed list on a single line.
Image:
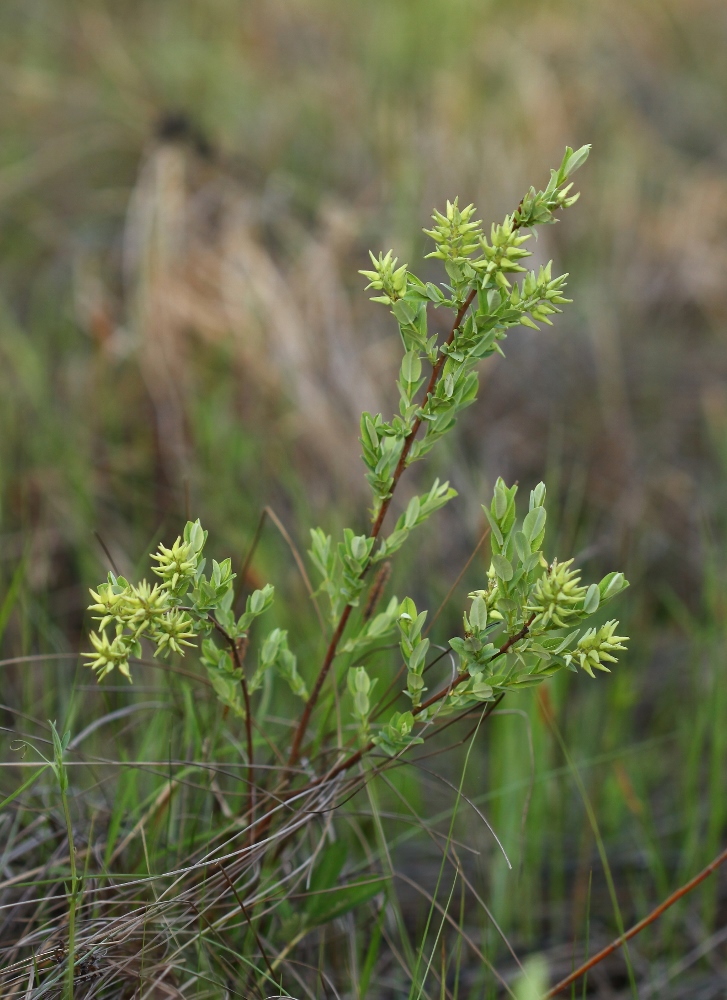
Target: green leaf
[(417, 658), (458, 644), (481, 690), (258, 599), (271, 646), (611, 585), (478, 612), (592, 599), (392, 543), (336, 903), (408, 608), (257, 603), (531, 562), (411, 367), (326, 902), (501, 502), (25, 785), (503, 567), (537, 496), (497, 534), (326, 872), (574, 161), (534, 523), (227, 688), (522, 545), (412, 512), (403, 312)]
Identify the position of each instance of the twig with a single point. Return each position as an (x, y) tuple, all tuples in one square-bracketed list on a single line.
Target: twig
[(247, 918), (637, 928), (322, 674), (250, 553), (105, 547), (299, 563), (344, 765), (269, 512), (506, 646)]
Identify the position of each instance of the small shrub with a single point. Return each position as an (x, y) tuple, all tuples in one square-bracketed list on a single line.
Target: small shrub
[(282, 864)]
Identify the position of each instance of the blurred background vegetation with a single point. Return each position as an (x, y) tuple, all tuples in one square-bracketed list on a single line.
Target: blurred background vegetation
[(187, 191)]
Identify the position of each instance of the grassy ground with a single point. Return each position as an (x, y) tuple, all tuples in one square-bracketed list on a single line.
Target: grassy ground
[(186, 194)]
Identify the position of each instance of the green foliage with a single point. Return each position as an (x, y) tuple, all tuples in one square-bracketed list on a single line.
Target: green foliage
[(158, 613), (80, 448), (341, 569), (397, 734), (377, 628), (223, 674), (274, 653), (414, 649), (417, 511), (529, 609), (326, 899), (361, 687), (520, 628), (477, 269)]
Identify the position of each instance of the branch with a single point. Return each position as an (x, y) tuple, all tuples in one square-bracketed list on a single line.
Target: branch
[(400, 466), (375, 531), (506, 646), (344, 765), (637, 928), (409, 440)]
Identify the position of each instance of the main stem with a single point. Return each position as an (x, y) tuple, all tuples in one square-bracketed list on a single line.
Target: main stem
[(400, 466)]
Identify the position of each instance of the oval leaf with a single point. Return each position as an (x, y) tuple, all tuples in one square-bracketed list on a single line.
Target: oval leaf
[(411, 367), (502, 567), (478, 613), (522, 545), (500, 502)]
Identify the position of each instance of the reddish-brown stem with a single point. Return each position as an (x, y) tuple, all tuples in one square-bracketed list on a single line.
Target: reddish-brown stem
[(354, 758), (401, 465), (466, 675), (250, 553), (637, 928), (409, 440), (322, 674)]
